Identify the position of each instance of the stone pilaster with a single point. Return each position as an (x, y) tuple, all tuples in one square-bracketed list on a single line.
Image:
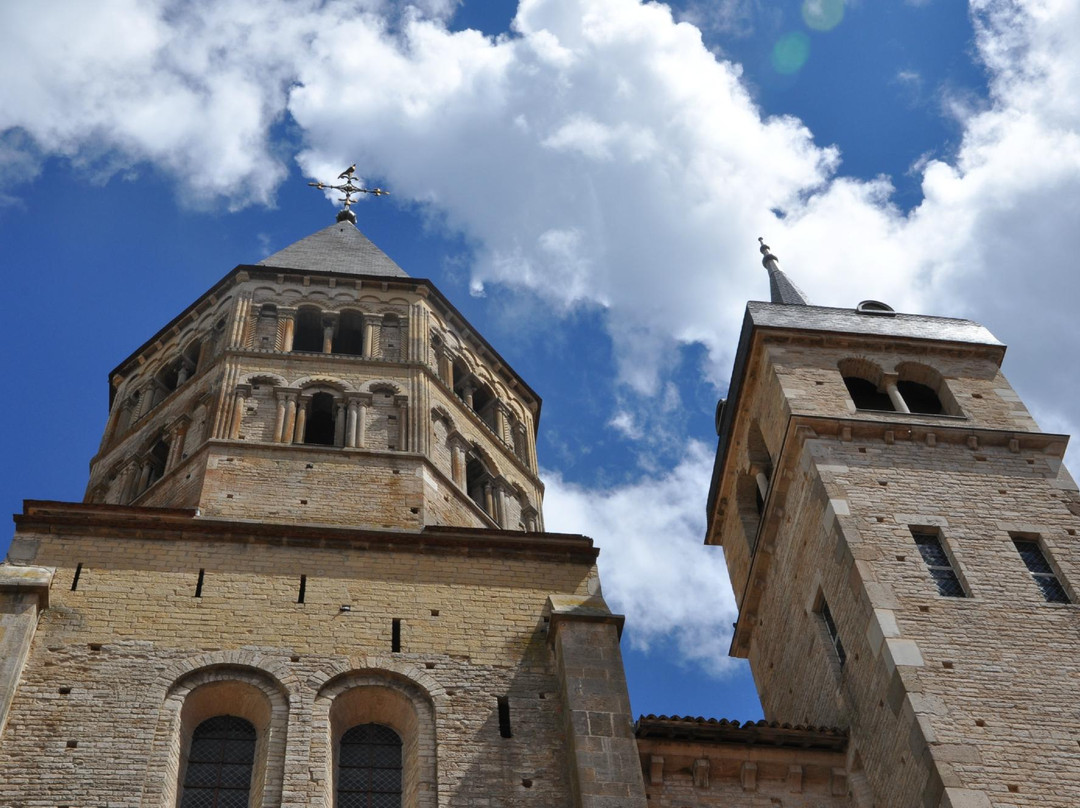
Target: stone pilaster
[(24, 591), (605, 768)]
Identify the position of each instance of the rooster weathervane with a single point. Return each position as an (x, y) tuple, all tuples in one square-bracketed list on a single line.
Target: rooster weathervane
[(348, 190)]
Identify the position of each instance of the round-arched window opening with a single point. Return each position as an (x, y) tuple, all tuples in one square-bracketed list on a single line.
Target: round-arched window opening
[(308, 334), (369, 767), (320, 422), (920, 399), (866, 396), (219, 763)]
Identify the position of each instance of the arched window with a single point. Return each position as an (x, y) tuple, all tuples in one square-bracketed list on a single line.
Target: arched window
[(309, 330), (369, 768), (478, 485), (920, 398), (350, 335), (219, 764), (866, 395), (320, 421)]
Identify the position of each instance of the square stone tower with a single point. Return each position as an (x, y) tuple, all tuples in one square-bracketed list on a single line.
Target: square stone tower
[(902, 542)]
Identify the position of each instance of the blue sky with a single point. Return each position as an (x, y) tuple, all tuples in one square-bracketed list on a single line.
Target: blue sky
[(585, 179)]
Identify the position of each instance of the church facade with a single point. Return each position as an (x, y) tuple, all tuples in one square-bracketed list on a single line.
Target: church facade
[(311, 568)]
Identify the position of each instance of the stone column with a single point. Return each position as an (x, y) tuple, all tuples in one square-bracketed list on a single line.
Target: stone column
[(339, 423), (363, 402), (239, 399), (351, 425), (184, 373), (279, 418), (501, 420), (402, 403), (369, 335), (144, 478), (894, 394), (286, 327), (467, 391), (328, 323), (489, 499), (457, 464), (177, 433), (605, 770), (290, 419), (301, 418), (126, 489)]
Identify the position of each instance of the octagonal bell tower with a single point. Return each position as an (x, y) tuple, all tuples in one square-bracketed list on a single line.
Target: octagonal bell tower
[(323, 385)]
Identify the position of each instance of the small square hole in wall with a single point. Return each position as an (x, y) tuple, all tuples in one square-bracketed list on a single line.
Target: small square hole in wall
[(310, 466), (72, 744), (901, 558), (1013, 788), (862, 450), (979, 722), (880, 519), (414, 510), (228, 496), (976, 395), (303, 502), (1070, 531), (95, 647), (947, 665), (924, 609), (429, 665), (294, 659), (63, 691), (434, 612), (527, 783)]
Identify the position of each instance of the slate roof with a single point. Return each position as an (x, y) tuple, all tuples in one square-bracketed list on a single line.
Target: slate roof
[(764, 733), (850, 321), (337, 248)]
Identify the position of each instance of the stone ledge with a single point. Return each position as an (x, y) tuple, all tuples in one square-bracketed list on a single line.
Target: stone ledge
[(16, 579)]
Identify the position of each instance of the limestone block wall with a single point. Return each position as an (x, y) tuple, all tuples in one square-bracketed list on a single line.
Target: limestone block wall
[(685, 773), (94, 717)]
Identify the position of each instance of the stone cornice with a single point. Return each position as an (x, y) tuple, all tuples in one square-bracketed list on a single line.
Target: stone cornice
[(173, 524)]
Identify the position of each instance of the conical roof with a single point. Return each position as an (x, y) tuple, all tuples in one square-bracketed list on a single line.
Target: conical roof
[(337, 248)]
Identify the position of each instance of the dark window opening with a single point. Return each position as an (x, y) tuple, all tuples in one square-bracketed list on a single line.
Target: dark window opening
[(350, 334), (303, 589), (834, 635), (219, 764), (504, 717), (320, 421), (920, 399), (199, 583), (1039, 567), (159, 456), (395, 635), (191, 358), (369, 768), (938, 563), (866, 395), (308, 332), (75, 579)]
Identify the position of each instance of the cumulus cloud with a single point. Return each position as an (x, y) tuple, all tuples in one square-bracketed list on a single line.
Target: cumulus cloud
[(601, 156), (653, 566)]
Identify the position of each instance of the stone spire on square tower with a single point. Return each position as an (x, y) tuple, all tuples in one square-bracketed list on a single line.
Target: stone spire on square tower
[(323, 385), (901, 538)]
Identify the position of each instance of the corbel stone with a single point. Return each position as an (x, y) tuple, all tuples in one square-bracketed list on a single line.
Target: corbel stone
[(701, 773)]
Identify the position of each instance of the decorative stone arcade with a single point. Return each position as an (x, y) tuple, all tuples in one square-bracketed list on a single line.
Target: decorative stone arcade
[(328, 371)]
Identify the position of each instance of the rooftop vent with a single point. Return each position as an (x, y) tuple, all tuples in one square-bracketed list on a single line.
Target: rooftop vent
[(875, 307)]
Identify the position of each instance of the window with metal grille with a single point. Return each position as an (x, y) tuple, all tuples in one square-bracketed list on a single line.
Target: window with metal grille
[(1041, 571), (834, 635), (369, 768), (938, 563), (219, 764)]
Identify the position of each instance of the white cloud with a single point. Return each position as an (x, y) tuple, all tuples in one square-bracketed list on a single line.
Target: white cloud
[(599, 156), (652, 562)]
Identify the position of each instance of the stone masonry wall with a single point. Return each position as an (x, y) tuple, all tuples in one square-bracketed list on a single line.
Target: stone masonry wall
[(83, 721)]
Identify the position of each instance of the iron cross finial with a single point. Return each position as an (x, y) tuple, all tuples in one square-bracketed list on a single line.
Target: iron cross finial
[(348, 190)]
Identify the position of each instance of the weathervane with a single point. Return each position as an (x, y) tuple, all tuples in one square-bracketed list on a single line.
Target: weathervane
[(348, 189)]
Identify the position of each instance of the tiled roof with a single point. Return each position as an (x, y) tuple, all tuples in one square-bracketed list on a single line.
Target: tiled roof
[(337, 248), (763, 733)]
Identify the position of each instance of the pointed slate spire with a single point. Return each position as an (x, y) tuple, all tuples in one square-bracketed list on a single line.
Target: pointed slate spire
[(337, 248), (780, 286)]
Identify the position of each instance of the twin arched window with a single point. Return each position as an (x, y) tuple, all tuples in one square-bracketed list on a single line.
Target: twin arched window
[(221, 758)]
